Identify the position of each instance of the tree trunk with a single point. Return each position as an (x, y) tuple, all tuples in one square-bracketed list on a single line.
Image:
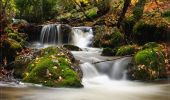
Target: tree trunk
[(124, 10)]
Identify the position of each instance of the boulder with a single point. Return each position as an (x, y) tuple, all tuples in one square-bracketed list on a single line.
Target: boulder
[(52, 66)]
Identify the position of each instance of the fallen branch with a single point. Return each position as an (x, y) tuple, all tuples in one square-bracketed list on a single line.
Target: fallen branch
[(112, 59)]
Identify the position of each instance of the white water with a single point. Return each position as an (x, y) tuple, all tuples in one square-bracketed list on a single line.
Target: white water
[(102, 81), (81, 36)]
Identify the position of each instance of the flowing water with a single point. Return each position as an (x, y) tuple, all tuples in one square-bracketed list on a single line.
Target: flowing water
[(102, 81)]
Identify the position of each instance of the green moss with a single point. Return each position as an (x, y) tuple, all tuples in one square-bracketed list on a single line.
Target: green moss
[(14, 45), (92, 13), (149, 64), (126, 50), (9, 30), (152, 58), (52, 69), (15, 36), (117, 37)]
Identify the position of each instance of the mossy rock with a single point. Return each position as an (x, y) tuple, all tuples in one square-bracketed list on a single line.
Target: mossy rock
[(53, 68), (108, 52), (14, 45), (8, 30), (126, 50), (150, 63), (151, 45), (21, 62), (72, 47)]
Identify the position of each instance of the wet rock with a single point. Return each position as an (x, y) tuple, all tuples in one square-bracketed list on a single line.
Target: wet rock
[(108, 52), (72, 47)]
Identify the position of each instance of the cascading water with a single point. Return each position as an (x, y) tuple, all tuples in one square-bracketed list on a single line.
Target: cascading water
[(54, 34), (48, 34), (102, 81), (82, 36)]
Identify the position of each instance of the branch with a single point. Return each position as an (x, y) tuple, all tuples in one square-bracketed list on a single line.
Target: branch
[(112, 59)]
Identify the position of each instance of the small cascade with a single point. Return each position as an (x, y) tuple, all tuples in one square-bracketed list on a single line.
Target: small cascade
[(63, 34), (118, 70), (48, 34), (113, 70), (55, 34), (82, 36), (89, 70)]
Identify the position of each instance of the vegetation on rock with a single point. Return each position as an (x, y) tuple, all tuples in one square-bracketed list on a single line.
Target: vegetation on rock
[(54, 68), (149, 64), (127, 50)]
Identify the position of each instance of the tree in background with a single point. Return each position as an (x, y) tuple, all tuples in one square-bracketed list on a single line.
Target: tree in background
[(36, 10), (7, 11)]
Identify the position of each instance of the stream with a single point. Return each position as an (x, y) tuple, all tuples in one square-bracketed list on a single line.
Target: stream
[(102, 81)]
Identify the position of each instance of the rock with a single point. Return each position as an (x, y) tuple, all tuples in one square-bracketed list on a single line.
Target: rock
[(126, 50), (149, 64), (108, 52), (72, 47), (66, 33), (9, 49), (33, 31), (12, 43), (54, 67), (22, 60)]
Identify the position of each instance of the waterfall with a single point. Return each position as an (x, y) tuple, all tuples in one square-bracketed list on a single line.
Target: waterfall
[(60, 34), (82, 36), (89, 70), (48, 34), (118, 70), (114, 71)]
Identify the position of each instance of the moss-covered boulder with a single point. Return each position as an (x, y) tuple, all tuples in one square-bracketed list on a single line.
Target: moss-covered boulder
[(12, 43), (55, 67), (127, 50), (22, 60), (149, 64), (72, 47)]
